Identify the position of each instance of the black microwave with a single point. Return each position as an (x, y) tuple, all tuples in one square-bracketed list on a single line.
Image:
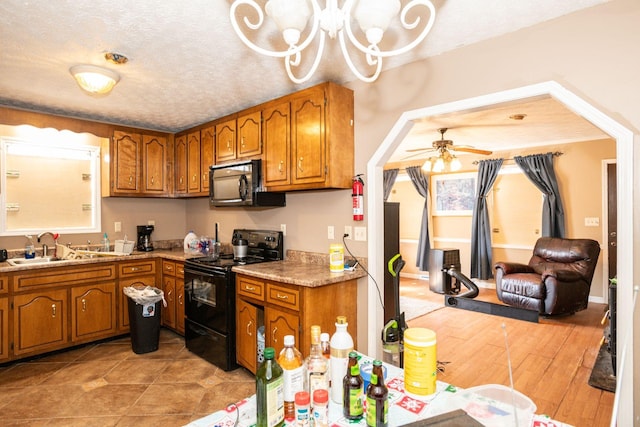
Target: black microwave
[(240, 184)]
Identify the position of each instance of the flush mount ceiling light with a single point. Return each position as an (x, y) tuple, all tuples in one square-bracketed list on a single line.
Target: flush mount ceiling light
[(93, 79), (372, 16)]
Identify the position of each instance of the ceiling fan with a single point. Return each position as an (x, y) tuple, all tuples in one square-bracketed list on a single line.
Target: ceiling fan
[(445, 154)]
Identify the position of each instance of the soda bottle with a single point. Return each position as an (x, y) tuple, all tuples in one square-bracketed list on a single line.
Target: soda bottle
[(316, 365), (290, 359), (341, 344), (352, 384), (269, 391), (377, 393)]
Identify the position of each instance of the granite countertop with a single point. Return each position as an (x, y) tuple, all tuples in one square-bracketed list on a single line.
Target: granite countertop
[(300, 268), (171, 254)]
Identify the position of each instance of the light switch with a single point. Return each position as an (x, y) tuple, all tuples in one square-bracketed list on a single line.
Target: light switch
[(592, 222), (117, 226)]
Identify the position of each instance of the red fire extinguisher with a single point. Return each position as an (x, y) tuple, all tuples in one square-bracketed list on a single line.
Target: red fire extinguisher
[(357, 191)]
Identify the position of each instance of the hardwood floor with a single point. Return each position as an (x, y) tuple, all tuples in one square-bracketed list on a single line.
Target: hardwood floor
[(551, 360)]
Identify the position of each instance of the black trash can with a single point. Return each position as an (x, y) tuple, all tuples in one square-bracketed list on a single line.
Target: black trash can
[(144, 323)]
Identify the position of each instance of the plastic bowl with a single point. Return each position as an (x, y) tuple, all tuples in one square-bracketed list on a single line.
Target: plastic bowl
[(493, 405)]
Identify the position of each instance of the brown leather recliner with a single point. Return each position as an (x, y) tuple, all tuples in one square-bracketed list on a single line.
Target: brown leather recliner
[(557, 279)]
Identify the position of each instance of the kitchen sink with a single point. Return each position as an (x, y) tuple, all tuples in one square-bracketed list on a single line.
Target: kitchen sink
[(32, 261)]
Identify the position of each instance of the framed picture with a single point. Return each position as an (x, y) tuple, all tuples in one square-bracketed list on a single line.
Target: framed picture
[(453, 194)]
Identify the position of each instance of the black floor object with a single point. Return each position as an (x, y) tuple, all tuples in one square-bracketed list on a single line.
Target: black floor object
[(602, 376)]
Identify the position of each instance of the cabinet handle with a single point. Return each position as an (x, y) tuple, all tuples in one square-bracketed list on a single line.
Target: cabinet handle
[(249, 288), (130, 179), (242, 142), (282, 296), (204, 177), (300, 164), (169, 296), (249, 328), (134, 269), (180, 299), (280, 166), (84, 304), (195, 178), (53, 310), (152, 180), (273, 335), (229, 144)]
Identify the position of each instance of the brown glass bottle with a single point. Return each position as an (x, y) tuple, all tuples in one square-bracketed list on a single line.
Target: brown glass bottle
[(352, 395), (377, 393)]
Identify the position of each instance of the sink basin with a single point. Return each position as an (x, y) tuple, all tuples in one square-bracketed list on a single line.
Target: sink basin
[(32, 261)]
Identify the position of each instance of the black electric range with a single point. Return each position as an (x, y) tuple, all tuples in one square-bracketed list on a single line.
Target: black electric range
[(210, 300)]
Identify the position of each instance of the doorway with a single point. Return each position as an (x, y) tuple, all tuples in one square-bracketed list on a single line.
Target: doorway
[(624, 150)]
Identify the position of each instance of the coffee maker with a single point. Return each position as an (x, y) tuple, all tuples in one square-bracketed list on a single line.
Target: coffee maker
[(144, 238)]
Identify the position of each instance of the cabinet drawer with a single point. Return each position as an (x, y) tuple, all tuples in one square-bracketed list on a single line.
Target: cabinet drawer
[(58, 276), (4, 284), (284, 297), (180, 269), (137, 268), (251, 288), (169, 267)]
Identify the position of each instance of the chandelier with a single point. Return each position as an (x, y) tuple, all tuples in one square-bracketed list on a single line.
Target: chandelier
[(292, 17)]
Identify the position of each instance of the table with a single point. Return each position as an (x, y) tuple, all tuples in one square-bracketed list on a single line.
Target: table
[(403, 409)]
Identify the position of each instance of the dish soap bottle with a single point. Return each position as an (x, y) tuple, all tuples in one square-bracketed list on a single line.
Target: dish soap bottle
[(29, 249), (106, 247)]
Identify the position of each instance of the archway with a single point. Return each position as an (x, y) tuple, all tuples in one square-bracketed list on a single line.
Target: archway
[(624, 154)]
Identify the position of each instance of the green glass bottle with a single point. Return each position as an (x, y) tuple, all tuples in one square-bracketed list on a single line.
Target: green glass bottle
[(270, 391), (352, 385), (377, 402)]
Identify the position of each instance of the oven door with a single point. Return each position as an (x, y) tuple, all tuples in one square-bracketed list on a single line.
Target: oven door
[(209, 298)]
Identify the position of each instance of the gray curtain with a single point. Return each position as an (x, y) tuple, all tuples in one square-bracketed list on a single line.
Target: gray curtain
[(481, 252), (421, 183), (388, 179), (539, 169)]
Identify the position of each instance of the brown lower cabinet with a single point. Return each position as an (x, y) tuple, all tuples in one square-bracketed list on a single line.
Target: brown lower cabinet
[(173, 288), (285, 309), (52, 308)]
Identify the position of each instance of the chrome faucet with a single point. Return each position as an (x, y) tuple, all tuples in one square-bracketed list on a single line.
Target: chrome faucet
[(45, 248)]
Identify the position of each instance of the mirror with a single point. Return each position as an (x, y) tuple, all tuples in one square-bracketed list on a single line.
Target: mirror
[(50, 181)]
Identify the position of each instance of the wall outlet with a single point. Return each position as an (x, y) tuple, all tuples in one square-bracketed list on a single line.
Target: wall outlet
[(592, 222), (117, 226), (151, 222), (331, 232), (348, 231), (283, 228), (360, 234)]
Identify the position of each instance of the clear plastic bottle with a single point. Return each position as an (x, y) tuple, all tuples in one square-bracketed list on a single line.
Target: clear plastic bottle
[(341, 344), (290, 359), (106, 246), (316, 364), (377, 402), (269, 391)]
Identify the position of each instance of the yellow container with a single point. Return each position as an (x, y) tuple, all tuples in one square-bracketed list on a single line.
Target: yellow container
[(336, 258), (420, 363)]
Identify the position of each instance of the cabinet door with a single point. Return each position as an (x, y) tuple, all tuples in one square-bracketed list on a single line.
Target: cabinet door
[(276, 137), (180, 306), (40, 321), (169, 312), (93, 311), (247, 335), (308, 139), (4, 328), (193, 162), (207, 155), (180, 158), (154, 164), (226, 141), (277, 324), (125, 161), (249, 134)]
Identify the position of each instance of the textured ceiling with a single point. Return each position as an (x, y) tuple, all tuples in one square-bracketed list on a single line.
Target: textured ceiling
[(186, 65)]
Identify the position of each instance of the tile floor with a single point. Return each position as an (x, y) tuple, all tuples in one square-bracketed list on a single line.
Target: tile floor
[(107, 384)]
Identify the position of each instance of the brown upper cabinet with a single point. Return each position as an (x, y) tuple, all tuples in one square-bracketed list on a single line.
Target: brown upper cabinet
[(139, 164), (207, 155), (226, 141), (193, 162), (308, 138), (249, 134), (180, 159)]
